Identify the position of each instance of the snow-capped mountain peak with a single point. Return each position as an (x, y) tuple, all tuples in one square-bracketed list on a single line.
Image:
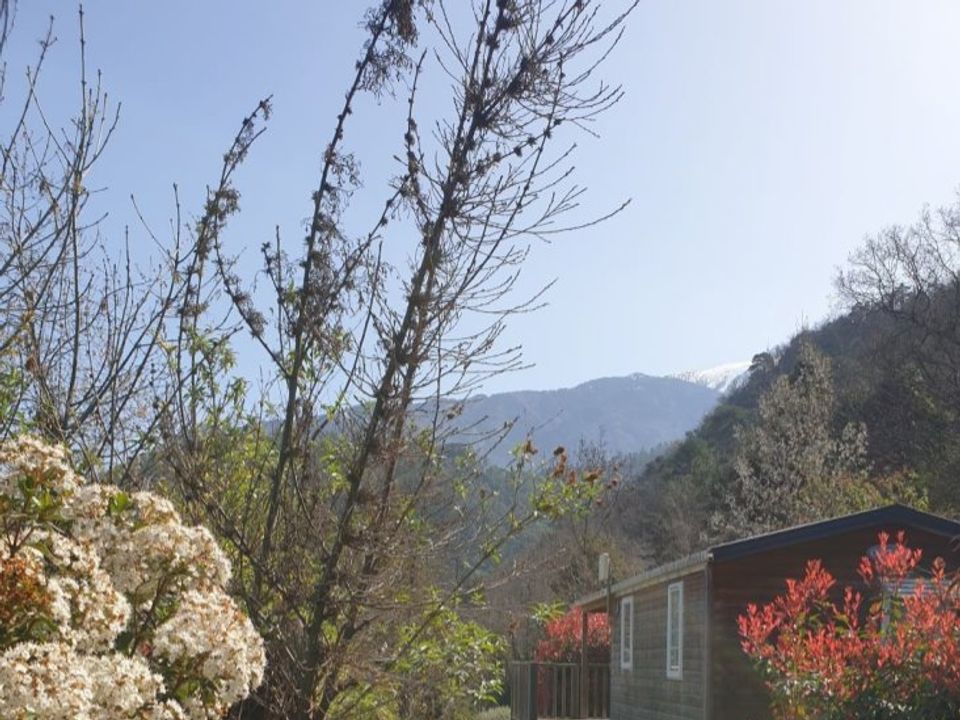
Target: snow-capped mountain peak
[(722, 378)]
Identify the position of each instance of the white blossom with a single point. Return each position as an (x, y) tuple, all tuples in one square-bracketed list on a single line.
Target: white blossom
[(85, 604), (209, 625), (27, 457), (136, 601), (145, 545), (51, 681), (46, 681)]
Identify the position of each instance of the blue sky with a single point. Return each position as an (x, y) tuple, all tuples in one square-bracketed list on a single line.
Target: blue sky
[(759, 140)]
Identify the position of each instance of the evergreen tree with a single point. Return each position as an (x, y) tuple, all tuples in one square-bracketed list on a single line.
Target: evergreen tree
[(792, 466)]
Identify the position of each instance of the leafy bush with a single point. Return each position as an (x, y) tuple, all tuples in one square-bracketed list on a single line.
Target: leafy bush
[(827, 658), (446, 667)]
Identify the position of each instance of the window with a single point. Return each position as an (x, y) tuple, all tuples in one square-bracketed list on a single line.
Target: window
[(892, 594), (675, 631), (891, 599), (626, 633)]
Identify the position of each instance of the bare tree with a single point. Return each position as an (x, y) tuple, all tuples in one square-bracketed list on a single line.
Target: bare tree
[(335, 512), (331, 483), (912, 276), (81, 332), (7, 10)]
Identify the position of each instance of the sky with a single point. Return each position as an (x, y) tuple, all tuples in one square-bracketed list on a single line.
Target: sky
[(759, 141)]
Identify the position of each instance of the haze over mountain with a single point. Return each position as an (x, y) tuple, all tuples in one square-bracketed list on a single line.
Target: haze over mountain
[(623, 414)]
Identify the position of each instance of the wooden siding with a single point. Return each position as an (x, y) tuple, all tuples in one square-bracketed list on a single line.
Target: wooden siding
[(737, 690), (645, 692)]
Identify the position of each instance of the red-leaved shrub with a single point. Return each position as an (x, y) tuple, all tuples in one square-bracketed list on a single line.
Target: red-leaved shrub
[(561, 642), (892, 652)]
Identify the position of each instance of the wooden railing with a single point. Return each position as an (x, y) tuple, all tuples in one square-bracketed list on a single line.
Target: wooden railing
[(559, 690)]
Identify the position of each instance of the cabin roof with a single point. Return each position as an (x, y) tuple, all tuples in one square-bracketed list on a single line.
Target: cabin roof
[(894, 515), (661, 573)]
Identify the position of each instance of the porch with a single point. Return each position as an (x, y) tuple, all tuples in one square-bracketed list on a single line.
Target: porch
[(559, 690)]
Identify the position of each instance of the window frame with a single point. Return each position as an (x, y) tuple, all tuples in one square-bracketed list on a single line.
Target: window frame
[(626, 615), (675, 672)]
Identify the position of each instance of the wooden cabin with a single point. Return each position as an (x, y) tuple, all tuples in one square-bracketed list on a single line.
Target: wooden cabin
[(675, 649)]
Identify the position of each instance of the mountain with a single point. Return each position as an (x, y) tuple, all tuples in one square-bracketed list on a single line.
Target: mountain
[(623, 414), (894, 374), (722, 378)]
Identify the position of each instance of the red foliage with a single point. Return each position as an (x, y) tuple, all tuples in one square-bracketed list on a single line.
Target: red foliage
[(561, 642), (825, 655)]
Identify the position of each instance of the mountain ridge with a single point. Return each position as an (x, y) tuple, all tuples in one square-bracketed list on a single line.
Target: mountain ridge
[(621, 414)]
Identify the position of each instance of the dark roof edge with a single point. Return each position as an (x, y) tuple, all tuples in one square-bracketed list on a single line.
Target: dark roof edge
[(895, 514)]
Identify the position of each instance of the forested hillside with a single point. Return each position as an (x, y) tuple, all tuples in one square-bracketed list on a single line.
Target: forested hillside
[(860, 410)]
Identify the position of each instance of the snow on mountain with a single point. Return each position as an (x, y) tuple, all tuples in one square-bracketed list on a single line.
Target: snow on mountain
[(722, 378)]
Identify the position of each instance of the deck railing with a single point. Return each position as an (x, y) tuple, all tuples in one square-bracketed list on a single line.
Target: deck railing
[(559, 690)]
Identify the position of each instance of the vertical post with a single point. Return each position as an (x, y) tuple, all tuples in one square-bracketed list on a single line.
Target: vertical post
[(708, 641), (532, 692), (584, 709)]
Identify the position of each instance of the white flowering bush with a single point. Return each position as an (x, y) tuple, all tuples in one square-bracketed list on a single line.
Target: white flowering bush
[(111, 607)]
